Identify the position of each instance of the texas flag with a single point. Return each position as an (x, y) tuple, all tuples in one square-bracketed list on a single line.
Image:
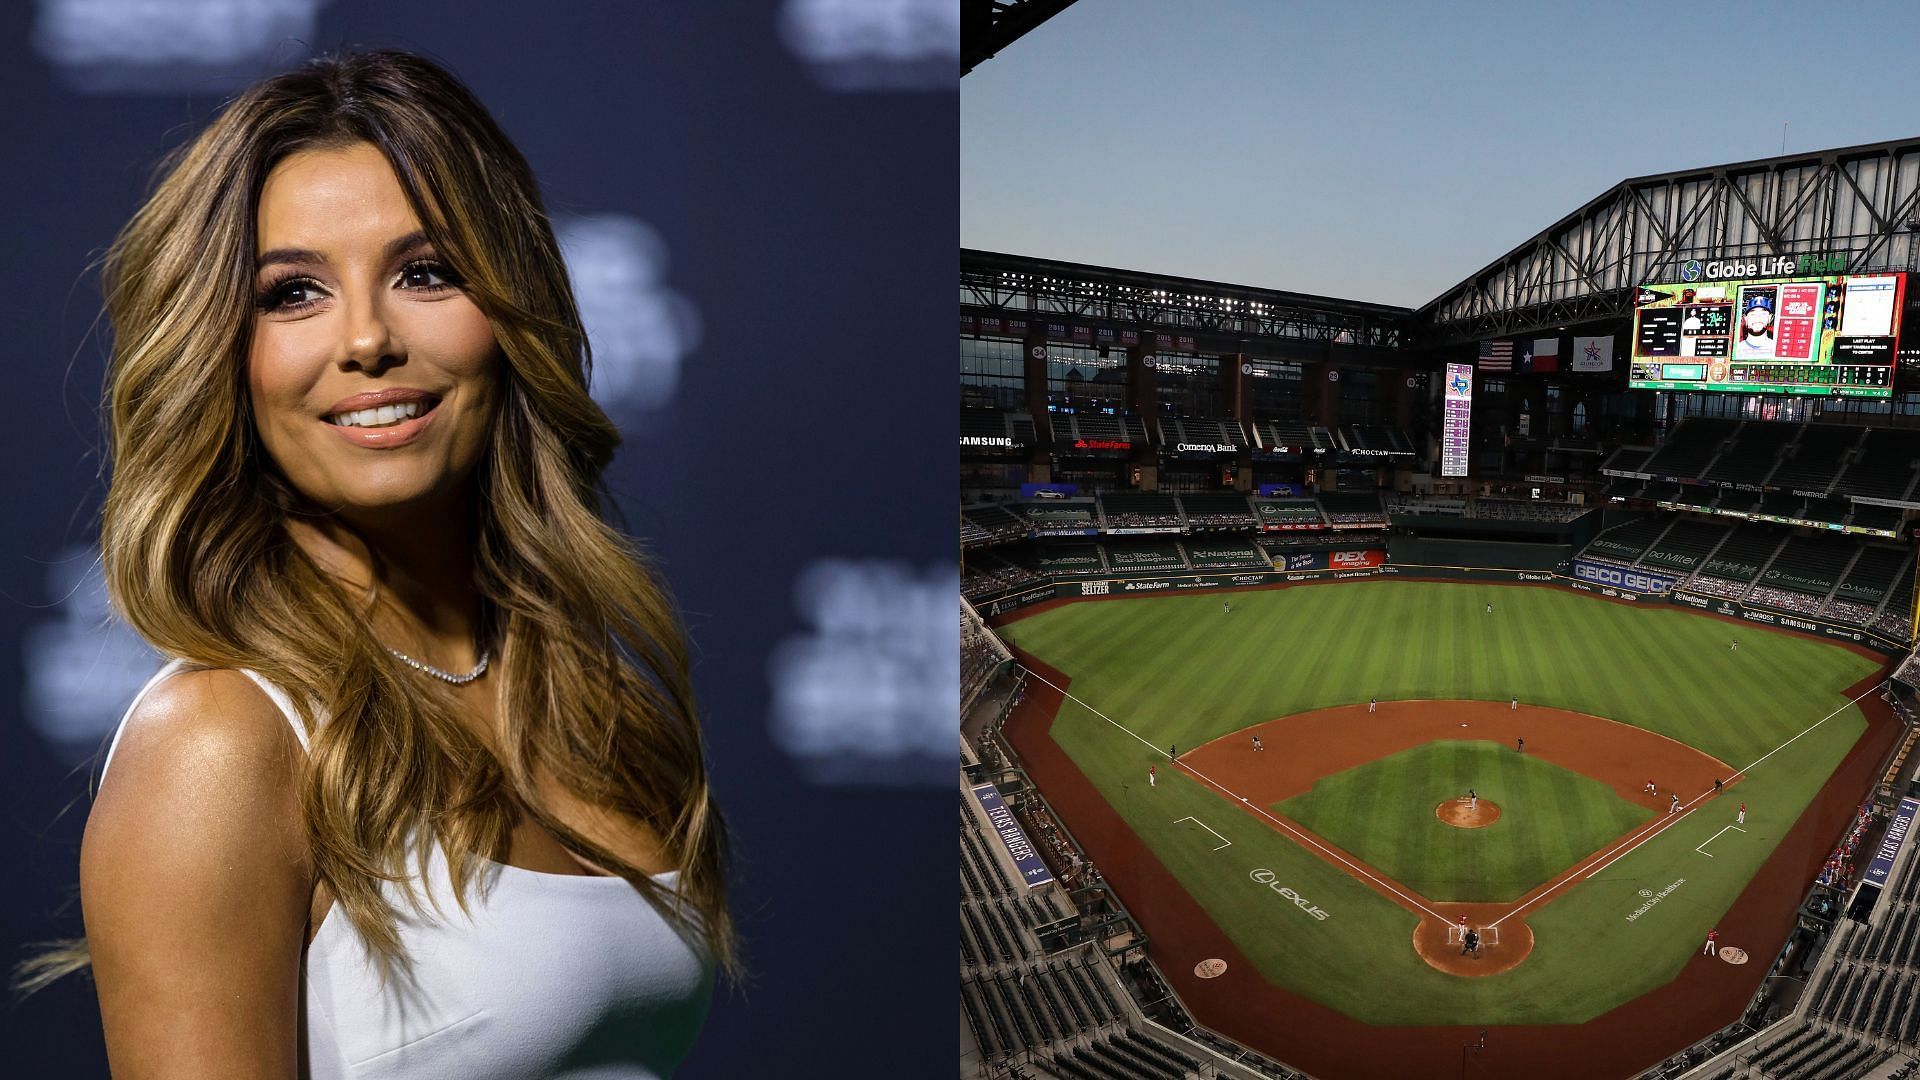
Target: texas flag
[(1543, 357)]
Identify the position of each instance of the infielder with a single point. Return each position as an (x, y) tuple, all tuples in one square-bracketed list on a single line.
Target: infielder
[(1373, 705), (1743, 815), (1256, 743), (1674, 806), (1712, 947)]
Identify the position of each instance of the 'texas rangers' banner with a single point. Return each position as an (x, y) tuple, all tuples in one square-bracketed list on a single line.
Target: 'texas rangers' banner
[(1897, 829), (1033, 870)]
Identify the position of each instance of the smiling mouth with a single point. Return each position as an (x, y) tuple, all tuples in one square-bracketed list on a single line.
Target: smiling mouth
[(384, 415)]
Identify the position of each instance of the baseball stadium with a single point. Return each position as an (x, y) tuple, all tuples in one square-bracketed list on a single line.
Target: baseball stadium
[(1519, 685)]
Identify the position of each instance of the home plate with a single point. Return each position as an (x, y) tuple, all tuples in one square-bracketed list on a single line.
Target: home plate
[(1733, 956), (1210, 969)]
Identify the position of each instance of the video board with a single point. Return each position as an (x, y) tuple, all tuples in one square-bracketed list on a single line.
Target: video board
[(1458, 420), (1833, 335)]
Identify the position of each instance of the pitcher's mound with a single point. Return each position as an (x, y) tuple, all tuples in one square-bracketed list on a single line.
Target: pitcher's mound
[(1455, 812)]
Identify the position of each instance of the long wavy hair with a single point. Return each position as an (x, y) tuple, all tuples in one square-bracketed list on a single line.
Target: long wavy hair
[(199, 560)]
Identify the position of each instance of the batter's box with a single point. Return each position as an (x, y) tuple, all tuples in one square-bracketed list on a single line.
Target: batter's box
[(1489, 935)]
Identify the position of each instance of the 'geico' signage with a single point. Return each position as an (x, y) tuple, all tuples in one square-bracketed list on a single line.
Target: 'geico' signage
[(1621, 577), (1268, 878)]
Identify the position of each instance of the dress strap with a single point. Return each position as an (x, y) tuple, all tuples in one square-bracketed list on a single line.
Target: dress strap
[(274, 693)]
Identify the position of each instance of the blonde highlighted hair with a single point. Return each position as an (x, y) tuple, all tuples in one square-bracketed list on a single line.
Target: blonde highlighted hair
[(199, 560)]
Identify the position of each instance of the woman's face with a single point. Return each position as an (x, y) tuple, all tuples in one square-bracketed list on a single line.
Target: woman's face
[(374, 379)]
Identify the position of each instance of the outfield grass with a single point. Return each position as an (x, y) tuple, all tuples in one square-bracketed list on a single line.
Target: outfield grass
[(1175, 669), (1383, 811)]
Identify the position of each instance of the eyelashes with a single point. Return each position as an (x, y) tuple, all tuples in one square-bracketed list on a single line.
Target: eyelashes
[(277, 295)]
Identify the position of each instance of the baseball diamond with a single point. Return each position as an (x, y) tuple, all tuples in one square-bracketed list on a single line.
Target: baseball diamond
[(1342, 808)]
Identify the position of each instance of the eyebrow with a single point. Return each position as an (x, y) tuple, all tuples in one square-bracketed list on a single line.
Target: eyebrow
[(394, 249)]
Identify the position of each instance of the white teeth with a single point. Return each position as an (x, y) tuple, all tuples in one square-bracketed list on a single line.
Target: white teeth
[(381, 416)]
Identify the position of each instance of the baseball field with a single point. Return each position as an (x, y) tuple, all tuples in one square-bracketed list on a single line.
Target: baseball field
[(1333, 859)]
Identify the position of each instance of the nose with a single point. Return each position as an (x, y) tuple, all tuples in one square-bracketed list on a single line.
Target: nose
[(370, 344)]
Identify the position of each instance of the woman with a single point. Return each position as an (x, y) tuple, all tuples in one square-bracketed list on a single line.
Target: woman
[(422, 792)]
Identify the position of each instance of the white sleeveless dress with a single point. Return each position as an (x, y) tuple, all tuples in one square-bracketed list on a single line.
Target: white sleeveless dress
[(548, 975)]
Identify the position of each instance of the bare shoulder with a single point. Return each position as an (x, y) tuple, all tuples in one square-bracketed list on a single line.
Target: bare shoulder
[(195, 882)]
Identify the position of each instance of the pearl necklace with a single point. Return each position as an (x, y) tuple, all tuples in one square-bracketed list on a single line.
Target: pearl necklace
[(447, 676)]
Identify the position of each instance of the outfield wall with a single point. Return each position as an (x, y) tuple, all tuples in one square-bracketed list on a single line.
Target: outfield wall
[(1601, 579)]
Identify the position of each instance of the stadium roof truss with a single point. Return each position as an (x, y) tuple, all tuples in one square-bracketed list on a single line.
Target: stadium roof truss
[(1862, 202), (987, 26), (1231, 317)]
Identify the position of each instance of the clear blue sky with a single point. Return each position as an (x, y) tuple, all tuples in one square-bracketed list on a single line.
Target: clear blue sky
[(1386, 151)]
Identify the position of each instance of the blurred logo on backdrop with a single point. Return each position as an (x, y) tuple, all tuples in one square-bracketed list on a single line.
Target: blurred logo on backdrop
[(83, 665), (170, 46), (876, 44), (639, 328), (869, 694)]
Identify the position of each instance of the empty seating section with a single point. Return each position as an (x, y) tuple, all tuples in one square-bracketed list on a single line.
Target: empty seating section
[(1132, 510), (980, 654), (1625, 543), (1754, 455), (1186, 429), (1289, 513), (987, 574), (1885, 518), (1872, 574), (1376, 437), (1224, 554), (1811, 465), (1353, 508), (990, 424), (1782, 504), (1217, 511), (1684, 546), (1896, 613), (1130, 556), (1523, 510), (991, 525), (1060, 513), (1743, 501), (1692, 495), (1885, 465), (1070, 559), (1628, 459), (1831, 511), (1744, 554), (1809, 564), (1060, 1013), (1624, 487), (1689, 448), (1129, 429)]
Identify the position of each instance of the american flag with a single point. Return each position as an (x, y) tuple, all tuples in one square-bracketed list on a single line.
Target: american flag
[(1496, 356)]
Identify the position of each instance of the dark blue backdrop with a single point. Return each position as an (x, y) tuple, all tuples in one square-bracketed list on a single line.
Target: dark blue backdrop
[(760, 203)]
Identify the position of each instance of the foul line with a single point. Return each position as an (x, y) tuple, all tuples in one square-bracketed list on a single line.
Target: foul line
[(1631, 845), (1224, 842), (1702, 849), (1301, 837)]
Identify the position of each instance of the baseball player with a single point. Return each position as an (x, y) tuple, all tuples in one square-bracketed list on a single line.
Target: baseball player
[(1716, 785), (1151, 782), (1373, 705), (1734, 646), (1470, 943), (1226, 607), (1712, 947), (1473, 799), (1172, 752), (1513, 705), (1674, 806), (1256, 743), (1489, 608), (1519, 746), (1650, 789), (1743, 815)]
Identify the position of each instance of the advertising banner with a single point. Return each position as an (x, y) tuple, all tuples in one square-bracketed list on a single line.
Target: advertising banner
[(1033, 869), (1301, 560), (1356, 560), (1049, 491), (1621, 577), (1280, 490), (1897, 829)]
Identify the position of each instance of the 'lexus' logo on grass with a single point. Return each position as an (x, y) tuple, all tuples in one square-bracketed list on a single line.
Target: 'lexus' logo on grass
[(1268, 878)]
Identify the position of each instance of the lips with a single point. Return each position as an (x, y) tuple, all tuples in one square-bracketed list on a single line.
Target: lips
[(389, 436)]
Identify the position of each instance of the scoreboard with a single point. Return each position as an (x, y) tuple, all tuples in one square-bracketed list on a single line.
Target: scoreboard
[(1834, 335)]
